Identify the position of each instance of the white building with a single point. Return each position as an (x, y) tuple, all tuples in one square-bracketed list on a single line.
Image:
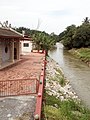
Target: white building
[(26, 46)]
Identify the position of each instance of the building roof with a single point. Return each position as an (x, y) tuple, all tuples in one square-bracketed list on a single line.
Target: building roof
[(27, 38), (9, 33)]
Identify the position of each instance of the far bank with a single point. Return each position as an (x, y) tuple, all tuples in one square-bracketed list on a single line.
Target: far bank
[(83, 54)]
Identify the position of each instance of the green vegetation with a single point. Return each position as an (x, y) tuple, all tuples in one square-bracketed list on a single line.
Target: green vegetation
[(64, 110), (82, 53), (59, 77), (43, 40), (76, 37)]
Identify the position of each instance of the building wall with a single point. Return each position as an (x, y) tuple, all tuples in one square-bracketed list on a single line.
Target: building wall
[(7, 50), (27, 48), (5, 46), (17, 47), (0, 54)]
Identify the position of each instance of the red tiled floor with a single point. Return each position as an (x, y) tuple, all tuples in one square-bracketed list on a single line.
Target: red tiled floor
[(29, 67)]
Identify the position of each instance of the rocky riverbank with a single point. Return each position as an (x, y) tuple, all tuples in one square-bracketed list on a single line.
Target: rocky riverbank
[(56, 84)]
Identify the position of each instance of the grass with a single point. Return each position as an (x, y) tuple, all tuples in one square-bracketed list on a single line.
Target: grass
[(59, 77), (59, 71), (52, 113), (64, 110), (82, 53)]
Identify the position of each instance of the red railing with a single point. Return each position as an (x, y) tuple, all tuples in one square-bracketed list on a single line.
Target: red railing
[(18, 87), (38, 109)]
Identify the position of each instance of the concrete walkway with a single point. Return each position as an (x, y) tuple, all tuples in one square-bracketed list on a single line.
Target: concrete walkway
[(17, 108)]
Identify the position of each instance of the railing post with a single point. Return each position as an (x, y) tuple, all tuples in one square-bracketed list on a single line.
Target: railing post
[(37, 85)]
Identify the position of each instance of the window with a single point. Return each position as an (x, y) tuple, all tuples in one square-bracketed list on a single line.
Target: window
[(25, 44), (6, 49)]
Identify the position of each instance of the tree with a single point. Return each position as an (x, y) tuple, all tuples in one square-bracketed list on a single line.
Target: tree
[(67, 38), (82, 36), (20, 29), (86, 20), (43, 40), (61, 36), (76, 37)]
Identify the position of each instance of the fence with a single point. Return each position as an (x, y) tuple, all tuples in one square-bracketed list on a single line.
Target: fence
[(18, 87)]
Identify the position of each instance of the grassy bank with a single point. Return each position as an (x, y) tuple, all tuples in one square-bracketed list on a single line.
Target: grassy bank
[(64, 110), (61, 101), (82, 53)]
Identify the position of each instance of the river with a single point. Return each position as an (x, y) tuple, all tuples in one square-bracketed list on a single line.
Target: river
[(74, 70)]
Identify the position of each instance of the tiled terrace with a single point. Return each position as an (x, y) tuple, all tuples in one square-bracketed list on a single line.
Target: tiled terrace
[(29, 66)]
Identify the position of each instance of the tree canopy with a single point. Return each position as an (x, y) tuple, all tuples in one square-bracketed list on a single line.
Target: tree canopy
[(43, 40), (76, 37)]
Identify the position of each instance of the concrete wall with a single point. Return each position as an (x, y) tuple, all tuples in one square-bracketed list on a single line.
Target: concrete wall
[(5, 54)]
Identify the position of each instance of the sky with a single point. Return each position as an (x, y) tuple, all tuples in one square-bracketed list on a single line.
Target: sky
[(44, 15)]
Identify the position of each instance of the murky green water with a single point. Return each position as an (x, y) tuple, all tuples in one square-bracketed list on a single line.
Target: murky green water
[(76, 71)]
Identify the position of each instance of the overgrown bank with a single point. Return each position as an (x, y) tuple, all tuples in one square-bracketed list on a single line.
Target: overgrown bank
[(62, 103), (82, 53)]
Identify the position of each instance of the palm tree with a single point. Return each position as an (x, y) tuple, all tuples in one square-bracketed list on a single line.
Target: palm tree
[(86, 20)]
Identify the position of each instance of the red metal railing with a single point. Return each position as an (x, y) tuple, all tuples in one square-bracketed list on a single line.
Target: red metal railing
[(38, 109), (18, 87)]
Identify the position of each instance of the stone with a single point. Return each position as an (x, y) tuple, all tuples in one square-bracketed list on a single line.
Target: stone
[(36, 117), (62, 98), (9, 115)]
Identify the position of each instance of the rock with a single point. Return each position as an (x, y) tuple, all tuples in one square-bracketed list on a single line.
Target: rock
[(9, 115), (75, 97), (62, 90), (61, 98), (56, 105), (71, 94), (25, 104)]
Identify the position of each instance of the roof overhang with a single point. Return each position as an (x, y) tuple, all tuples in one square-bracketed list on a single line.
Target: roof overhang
[(9, 33), (11, 37), (26, 39)]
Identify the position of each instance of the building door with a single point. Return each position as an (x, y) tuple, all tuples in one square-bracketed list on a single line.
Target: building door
[(15, 53)]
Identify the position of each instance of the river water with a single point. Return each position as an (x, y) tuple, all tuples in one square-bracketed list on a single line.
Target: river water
[(74, 70)]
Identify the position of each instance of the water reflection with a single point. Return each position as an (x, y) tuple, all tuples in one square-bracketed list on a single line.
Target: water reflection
[(76, 71), (57, 53)]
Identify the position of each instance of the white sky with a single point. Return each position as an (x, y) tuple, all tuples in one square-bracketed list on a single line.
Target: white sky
[(53, 15)]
